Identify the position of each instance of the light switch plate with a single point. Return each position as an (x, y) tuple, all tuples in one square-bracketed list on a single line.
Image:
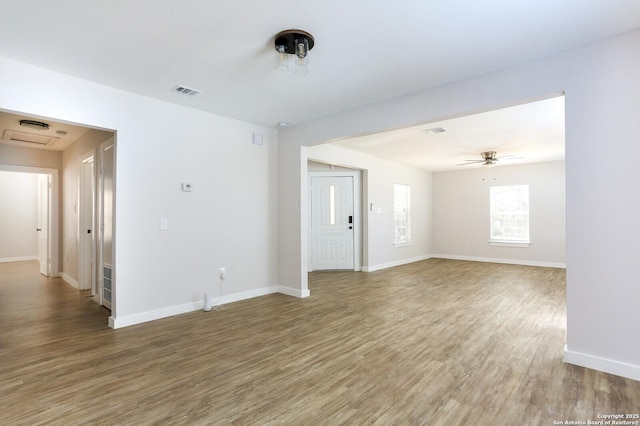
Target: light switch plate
[(187, 187)]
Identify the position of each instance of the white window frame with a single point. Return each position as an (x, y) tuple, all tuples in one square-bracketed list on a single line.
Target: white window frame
[(402, 215), (515, 211)]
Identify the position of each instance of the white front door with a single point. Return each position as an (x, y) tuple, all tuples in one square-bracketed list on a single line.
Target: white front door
[(332, 222), (43, 224)]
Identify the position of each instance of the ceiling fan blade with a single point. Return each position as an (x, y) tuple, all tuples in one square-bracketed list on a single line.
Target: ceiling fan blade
[(509, 157), (470, 162)]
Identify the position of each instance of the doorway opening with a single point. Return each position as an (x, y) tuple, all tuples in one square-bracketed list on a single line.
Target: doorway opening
[(40, 242), (77, 190)]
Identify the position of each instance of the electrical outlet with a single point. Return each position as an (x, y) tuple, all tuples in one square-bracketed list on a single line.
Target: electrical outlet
[(223, 273)]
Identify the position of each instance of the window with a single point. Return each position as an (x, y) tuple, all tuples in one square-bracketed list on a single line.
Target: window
[(332, 205), (401, 214), (509, 215)]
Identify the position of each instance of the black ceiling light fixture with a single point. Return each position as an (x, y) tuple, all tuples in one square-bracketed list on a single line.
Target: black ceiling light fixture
[(293, 42), (32, 124)]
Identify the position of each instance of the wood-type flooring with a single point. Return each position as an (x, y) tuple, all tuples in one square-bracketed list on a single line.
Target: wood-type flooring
[(437, 342)]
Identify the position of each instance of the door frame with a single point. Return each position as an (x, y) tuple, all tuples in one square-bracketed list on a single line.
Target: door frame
[(44, 199), (357, 214), (108, 145), (53, 222), (87, 274)]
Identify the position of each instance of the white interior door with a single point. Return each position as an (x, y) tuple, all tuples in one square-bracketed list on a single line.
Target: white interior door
[(43, 224), (332, 222)]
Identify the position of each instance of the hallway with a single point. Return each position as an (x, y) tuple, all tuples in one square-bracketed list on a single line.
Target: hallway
[(36, 310)]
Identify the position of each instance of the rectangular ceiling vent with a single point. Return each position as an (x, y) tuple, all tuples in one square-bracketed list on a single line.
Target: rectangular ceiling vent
[(435, 130), (186, 90), (15, 136)]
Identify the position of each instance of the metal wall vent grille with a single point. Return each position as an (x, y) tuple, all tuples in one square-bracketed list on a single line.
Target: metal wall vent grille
[(186, 90)]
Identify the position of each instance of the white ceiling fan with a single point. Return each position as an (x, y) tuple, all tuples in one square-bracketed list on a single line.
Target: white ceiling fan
[(489, 159)]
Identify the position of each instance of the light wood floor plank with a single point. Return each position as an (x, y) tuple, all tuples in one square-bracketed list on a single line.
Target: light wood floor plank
[(438, 342)]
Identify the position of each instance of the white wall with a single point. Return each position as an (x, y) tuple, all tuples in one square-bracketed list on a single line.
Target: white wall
[(461, 214), (18, 216), (230, 218), (602, 104), (314, 166), (30, 157)]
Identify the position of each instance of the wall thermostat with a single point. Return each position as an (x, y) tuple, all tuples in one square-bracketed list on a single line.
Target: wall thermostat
[(187, 187)]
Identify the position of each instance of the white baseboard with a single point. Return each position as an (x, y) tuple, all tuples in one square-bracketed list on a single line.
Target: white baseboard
[(18, 259), (605, 365), (294, 292), (236, 297), (70, 281), (469, 258), (395, 263), (507, 261), (169, 311)]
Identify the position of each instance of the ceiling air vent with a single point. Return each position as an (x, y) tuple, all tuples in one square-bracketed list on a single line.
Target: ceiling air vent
[(30, 138), (186, 90), (435, 130)]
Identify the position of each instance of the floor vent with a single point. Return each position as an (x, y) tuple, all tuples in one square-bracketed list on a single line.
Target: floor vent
[(107, 285)]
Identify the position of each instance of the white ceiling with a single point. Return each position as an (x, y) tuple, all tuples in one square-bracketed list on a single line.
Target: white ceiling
[(60, 135), (532, 132), (366, 51)]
